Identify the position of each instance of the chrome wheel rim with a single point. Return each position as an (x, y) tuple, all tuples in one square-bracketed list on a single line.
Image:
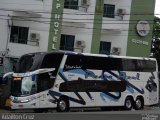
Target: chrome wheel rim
[(138, 103), (62, 105), (128, 104)]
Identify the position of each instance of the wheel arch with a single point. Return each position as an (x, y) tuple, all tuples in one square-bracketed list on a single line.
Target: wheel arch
[(129, 96), (141, 97), (65, 97)]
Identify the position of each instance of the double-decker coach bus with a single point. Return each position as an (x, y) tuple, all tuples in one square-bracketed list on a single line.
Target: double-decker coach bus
[(65, 80)]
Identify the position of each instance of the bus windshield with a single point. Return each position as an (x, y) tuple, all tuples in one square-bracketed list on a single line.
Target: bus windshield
[(29, 62), (29, 86), (35, 73), (24, 87)]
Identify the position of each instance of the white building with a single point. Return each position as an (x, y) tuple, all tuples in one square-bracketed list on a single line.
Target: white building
[(93, 26)]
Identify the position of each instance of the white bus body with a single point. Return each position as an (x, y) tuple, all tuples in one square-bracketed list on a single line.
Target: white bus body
[(86, 80)]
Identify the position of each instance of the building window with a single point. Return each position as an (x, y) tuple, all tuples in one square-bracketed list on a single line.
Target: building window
[(67, 42), (19, 34), (109, 10), (71, 4), (105, 48)]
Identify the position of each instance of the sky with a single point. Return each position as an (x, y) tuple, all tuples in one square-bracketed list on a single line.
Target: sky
[(157, 8)]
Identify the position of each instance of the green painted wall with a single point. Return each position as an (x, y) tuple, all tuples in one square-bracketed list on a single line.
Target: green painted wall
[(96, 37), (55, 25), (140, 10)]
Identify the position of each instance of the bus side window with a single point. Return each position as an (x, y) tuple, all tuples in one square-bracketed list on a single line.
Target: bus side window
[(128, 65), (46, 80), (43, 82), (93, 63), (138, 65), (52, 61), (74, 62), (149, 66)]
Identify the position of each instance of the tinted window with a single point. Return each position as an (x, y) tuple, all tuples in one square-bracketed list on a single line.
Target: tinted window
[(139, 65), (52, 60), (29, 62), (129, 65), (148, 66), (92, 62), (108, 63), (16, 88), (46, 80)]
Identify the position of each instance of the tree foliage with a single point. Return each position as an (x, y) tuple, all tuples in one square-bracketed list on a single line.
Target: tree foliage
[(156, 40)]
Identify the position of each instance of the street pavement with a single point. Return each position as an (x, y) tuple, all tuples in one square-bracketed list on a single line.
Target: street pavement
[(155, 109), (149, 113)]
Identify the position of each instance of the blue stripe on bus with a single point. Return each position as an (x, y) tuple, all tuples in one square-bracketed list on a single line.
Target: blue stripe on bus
[(130, 87), (77, 71), (86, 73), (128, 83), (62, 75), (80, 100)]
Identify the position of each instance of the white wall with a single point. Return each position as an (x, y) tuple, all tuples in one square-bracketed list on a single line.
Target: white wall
[(120, 37), (4, 31), (114, 30), (81, 24), (28, 5), (117, 40), (37, 12), (81, 27)]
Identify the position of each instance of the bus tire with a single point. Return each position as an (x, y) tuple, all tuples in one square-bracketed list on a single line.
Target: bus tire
[(139, 103), (128, 104), (63, 105)]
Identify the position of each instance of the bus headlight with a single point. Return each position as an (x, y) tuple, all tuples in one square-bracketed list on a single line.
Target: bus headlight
[(17, 78), (24, 101), (15, 100)]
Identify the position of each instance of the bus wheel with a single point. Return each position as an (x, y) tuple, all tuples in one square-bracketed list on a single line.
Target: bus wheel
[(63, 105), (139, 103), (128, 103)]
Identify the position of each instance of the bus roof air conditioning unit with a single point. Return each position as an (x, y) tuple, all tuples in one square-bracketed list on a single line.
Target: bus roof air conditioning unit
[(116, 50), (80, 43), (34, 36)]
